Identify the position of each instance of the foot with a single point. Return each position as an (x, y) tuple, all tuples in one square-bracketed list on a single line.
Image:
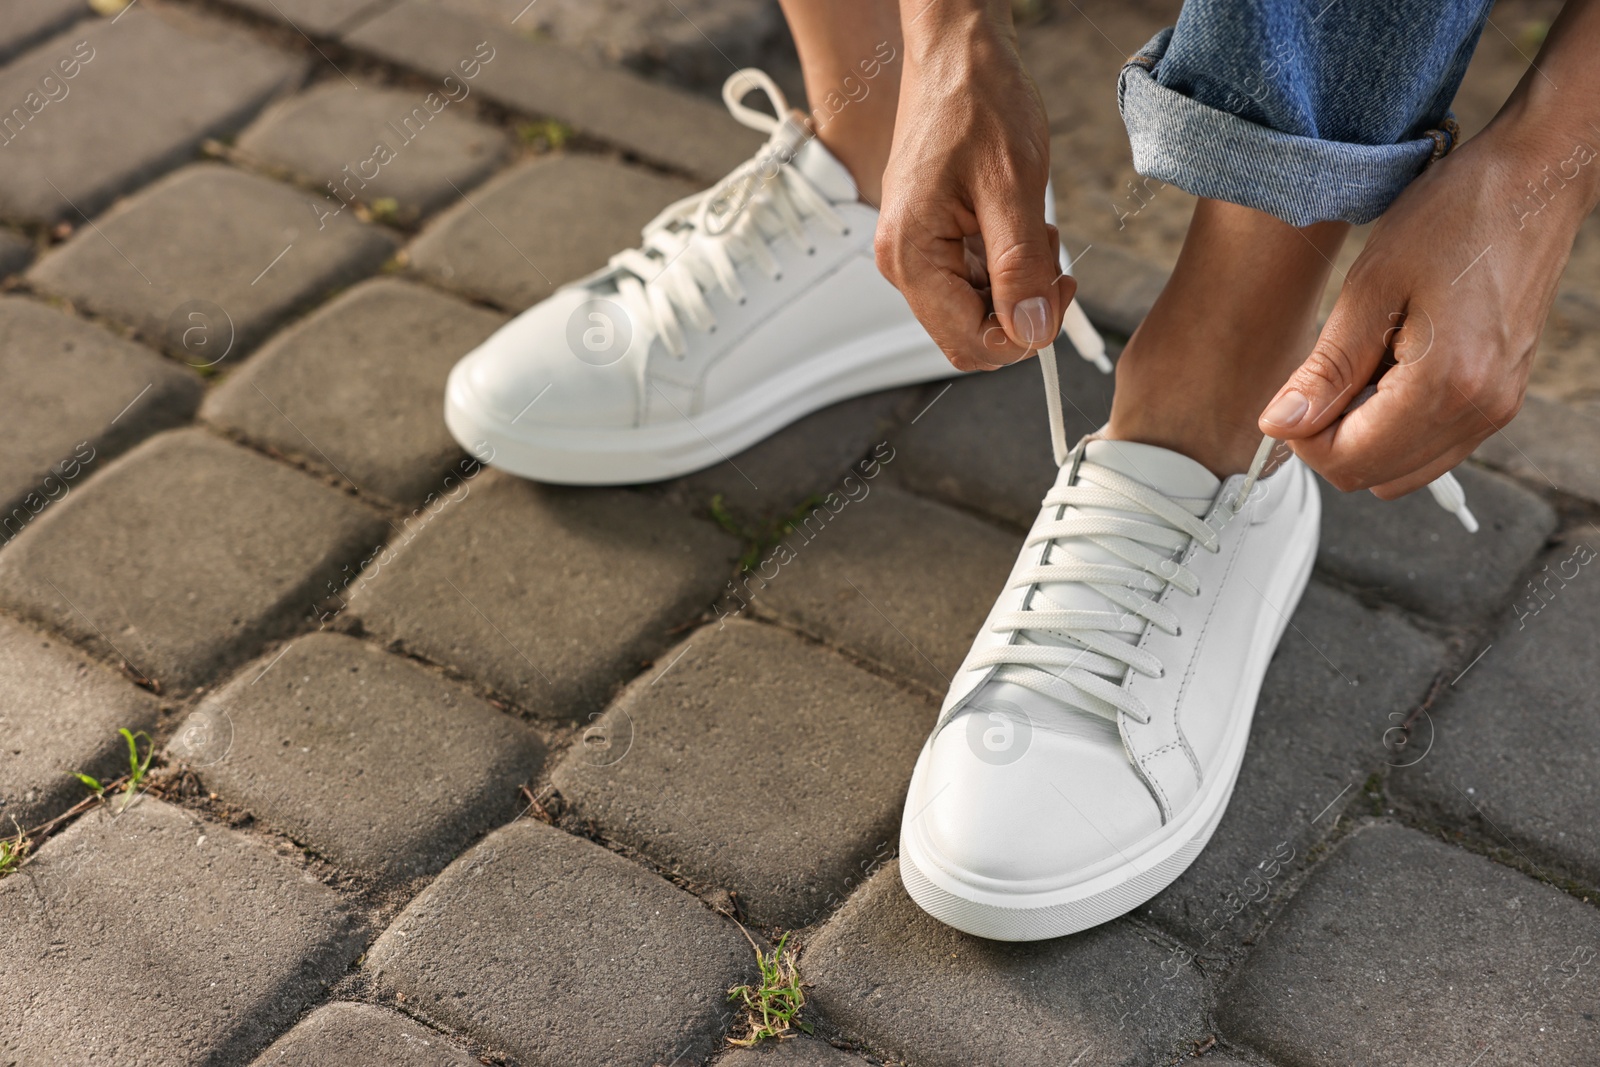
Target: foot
[(745, 308), (1091, 739)]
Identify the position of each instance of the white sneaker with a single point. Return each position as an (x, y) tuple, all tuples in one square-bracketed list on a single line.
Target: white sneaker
[(746, 307), (1091, 739)]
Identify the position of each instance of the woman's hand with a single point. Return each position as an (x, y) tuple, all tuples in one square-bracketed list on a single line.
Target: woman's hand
[(1451, 293), (962, 232)]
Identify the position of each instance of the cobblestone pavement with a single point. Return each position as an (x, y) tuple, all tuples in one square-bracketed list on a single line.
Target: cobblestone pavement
[(451, 768)]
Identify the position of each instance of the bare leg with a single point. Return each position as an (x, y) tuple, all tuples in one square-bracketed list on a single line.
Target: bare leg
[(1238, 315), (839, 42)]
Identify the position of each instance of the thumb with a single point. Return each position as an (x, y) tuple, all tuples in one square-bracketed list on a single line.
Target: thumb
[(1025, 279), (1342, 362)]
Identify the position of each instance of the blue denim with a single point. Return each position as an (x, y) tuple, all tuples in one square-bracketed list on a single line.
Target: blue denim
[(1309, 110)]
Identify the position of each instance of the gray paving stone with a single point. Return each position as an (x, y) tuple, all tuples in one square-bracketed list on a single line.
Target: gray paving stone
[(551, 597), (375, 762), (856, 574), (369, 143), (321, 18), (1343, 680), (677, 767), (341, 1034), (357, 387), (1402, 950), (59, 714), (1416, 554), (209, 260), (26, 22), (1518, 744), (154, 939), (1116, 288), (15, 253), (144, 91), (183, 556), (1549, 444), (906, 985), (985, 444), (794, 1052), (555, 951), (767, 481), (657, 122), (541, 225), (75, 396), (690, 41)]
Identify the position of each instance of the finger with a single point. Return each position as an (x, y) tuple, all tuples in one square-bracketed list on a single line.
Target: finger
[(1403, 429), (1342, 362), (1024, 267), (922, 251), (1399, 487)]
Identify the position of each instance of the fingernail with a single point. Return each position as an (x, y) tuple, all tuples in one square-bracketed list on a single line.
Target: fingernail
[(1031, 319), (1287, 410)]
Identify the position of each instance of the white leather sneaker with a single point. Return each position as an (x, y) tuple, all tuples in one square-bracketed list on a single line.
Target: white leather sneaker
[(746, 307), (1091, 739)]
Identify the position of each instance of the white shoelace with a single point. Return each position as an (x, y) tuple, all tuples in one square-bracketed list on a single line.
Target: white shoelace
[(1076, 656), (1089, 661), (704, 241)]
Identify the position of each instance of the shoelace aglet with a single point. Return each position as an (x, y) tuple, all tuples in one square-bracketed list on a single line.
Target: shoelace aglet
[(1448, 494), (1085, 338)]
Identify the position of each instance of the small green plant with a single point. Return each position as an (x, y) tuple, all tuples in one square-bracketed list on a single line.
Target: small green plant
[(13, 850), (771, 1008), (758, 542), (138, 767), (385, 209), (549, 135)]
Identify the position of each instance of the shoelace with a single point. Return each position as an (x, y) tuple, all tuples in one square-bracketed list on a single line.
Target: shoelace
[(1089, 662), (1074, 655), (704, 241), (1445, 489)]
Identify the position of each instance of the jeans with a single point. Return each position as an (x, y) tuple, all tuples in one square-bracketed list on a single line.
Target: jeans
[(1309, 110)]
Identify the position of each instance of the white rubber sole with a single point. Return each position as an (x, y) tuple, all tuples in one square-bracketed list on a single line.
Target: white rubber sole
[(903, 355), (939, 889)]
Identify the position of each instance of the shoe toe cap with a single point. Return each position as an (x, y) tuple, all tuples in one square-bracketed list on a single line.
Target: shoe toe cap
[(1037, 809), (566, 361)]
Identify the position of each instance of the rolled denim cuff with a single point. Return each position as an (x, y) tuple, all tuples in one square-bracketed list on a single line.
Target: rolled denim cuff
[(1216, 154)]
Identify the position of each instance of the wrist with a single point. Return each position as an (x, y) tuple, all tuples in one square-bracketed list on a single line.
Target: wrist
[(950, 38), (1551, 162)]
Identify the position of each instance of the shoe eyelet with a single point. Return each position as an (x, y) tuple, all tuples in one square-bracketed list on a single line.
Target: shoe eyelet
[(742, 301), (778, 277), (811, 251), (846, 232), (1178, 632)]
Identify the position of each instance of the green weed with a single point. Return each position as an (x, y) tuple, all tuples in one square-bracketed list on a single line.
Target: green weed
[(546, 136), (771, 1008), (13, 850), (758, 542), (138, 767)]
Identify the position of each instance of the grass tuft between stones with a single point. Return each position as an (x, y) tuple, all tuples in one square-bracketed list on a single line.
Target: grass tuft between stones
[(772, 1008), (14, 849), (138, 767), (759, 541)]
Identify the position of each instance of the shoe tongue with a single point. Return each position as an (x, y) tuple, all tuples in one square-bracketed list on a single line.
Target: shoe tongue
[(822, 170), (1167, 472)]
